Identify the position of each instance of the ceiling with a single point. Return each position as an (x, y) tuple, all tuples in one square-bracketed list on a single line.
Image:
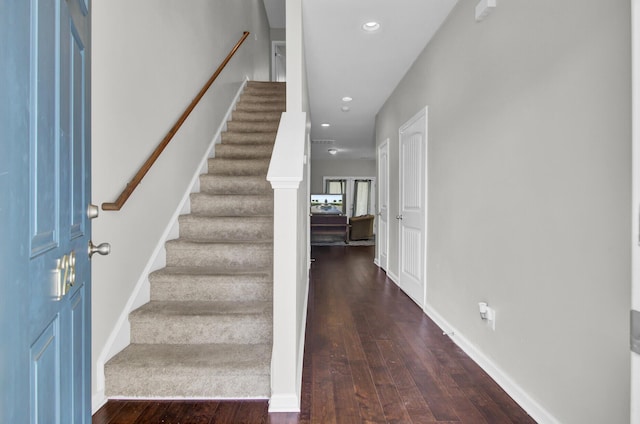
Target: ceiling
[(344, 60)]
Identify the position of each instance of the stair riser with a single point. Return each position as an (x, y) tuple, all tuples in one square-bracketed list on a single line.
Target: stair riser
[(147, 384), (214, 184), (227, 256), (225, 229), (224, 205), (229, 329), (224, 166), (211, 291)]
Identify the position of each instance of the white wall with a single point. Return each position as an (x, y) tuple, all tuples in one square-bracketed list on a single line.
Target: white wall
[(278, 34), (297, 90), (529, 193), (339, 168), (150, 58)]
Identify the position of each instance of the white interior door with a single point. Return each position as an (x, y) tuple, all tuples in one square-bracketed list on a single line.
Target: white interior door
[(383, 206), (412, 208), (635, 244)]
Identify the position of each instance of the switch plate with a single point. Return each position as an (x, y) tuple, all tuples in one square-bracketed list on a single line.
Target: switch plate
[(635, 331)]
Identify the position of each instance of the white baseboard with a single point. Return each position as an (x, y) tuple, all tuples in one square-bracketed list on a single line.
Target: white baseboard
[(120, 336), (284, 403), (393, 278), (522, 398), (97, 401)]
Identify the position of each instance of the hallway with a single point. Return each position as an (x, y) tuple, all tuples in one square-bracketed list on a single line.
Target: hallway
[(371, 355)]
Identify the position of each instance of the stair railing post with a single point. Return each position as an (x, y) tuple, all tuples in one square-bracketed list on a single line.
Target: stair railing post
[(290, 259)]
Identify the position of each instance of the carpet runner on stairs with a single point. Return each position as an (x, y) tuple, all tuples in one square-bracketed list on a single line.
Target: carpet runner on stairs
[(207, 331)]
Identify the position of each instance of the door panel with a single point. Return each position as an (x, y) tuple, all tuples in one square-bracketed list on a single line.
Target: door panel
[(412, 208), (44, 138), (78, 68), (45, 376)]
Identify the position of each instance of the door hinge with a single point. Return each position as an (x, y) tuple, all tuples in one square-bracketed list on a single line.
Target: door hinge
[(635, 331)]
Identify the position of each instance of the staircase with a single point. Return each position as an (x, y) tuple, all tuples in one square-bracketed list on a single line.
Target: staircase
[(207, 331)]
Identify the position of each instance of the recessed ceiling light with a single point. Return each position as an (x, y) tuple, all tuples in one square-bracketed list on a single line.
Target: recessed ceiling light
[(332, 151), (345, 108), (371, 26), (325, 125), (347, 99)]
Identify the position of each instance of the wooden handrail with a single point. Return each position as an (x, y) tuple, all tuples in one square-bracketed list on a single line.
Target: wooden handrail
[(131, 186)]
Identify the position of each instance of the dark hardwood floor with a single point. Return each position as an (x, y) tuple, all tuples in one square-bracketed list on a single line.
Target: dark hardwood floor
[(371, 356)]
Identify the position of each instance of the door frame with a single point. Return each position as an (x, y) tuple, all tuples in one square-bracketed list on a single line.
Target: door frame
[(274, 45), (425, 193), (635, 214), (383, 146)]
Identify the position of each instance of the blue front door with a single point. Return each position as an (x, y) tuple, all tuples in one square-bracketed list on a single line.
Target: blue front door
[(44, 191)]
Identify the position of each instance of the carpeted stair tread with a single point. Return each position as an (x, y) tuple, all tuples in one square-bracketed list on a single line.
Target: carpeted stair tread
[(258, 104), (211, 271), (230, 204), (265, 87), (197, 227), (230, 166), (234, 151), (248, 138), (234, 184), (210, 284), (198, 322), (155, 309), (264, 116), (203, 371), (230, 254), (252, 126)]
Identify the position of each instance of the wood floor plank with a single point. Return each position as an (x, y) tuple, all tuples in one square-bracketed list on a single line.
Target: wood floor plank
[(322, 403), (251, 412), (225, 413), (195, 412), (408, 391), (129, 412), (107, 412), (439, 389), (153, 413), (346, 404), (393, 407), (471, 371)]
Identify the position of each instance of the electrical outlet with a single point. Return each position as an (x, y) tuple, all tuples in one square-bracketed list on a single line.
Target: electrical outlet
[(487, 314)]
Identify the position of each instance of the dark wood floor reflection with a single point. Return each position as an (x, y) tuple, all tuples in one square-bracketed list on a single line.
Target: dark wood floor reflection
[(371, 356)]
